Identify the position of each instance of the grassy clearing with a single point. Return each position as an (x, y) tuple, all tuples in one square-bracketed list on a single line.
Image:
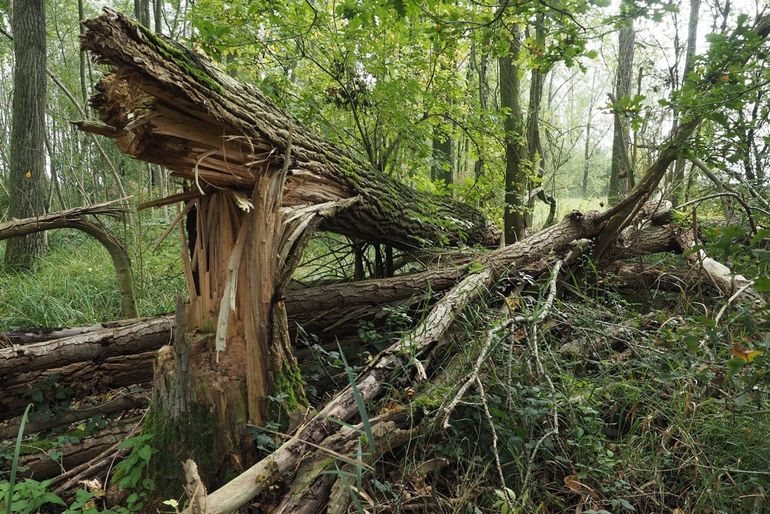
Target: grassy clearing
[(75, 283)]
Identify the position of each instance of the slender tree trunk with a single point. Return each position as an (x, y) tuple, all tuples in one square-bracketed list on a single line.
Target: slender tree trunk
[(587, 151), (535, 152), (158, 15), (619, 171), (478, 166), (26, 178), (515, 151), (83, 63), (679, 183), (441, 167)]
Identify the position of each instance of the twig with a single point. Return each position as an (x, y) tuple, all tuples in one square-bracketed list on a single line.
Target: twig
[(547, 305), (474, 374), (488, 415), (731, 300)]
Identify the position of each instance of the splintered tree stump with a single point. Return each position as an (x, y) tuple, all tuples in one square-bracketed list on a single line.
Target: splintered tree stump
[(259, 186)]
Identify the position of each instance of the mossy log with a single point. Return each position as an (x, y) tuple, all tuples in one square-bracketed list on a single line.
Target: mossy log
[(166, 104)]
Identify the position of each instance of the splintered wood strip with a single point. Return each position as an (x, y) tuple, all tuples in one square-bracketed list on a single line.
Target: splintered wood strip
[(171, 226), (171, 199), (227, 305)]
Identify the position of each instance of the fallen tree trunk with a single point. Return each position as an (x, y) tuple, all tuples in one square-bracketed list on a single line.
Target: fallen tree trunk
[(77, 219), (99, 345), (316, 310), (38, 466), (119, 404), (43, 334), (75, 380), (166, 104)]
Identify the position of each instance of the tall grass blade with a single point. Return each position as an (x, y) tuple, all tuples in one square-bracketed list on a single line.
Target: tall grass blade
[(15, 462)]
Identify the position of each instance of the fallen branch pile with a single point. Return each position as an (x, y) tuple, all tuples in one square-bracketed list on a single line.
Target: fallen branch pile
[(167, 105)]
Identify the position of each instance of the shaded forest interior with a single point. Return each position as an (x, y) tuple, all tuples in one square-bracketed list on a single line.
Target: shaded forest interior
[(391, 257)]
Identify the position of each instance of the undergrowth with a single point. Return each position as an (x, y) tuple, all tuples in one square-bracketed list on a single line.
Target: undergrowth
[(654, 413)]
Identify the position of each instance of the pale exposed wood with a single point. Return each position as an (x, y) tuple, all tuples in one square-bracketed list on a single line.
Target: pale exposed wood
[(146, 335)]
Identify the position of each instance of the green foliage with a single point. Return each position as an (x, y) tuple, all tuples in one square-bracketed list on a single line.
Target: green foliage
[(652, 417), (131, 472), (28, 497)]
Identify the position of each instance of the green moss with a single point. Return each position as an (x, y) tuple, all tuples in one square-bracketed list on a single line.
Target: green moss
[(289, 391), (681, 219), (433, 398), (191, 436), (182, 59)]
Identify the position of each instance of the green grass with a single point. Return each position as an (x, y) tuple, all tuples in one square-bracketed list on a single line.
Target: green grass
[(566, 205), (74, 284)]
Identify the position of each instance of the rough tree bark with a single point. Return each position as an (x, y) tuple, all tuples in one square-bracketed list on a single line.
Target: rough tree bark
[(26, 178), (515, 152), (619, 171)]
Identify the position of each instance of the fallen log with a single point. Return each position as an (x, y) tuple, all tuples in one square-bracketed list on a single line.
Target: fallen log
[(77, 380), (119, 404), (133, 338), (316, 309), (32, 335), (77, 218), (40, 467), (166, 104)]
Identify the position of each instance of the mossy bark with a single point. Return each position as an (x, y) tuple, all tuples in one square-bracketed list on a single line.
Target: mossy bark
[(165, 104)]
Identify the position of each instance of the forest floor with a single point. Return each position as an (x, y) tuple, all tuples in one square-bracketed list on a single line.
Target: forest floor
[(632, 399)]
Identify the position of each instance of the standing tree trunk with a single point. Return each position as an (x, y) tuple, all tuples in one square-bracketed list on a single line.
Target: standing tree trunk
[(535, 152), (158, 15), (26, 180), (619, 172), (142, 12), (678, 182), (586, 150), (515, 152), (441, 167), (478, 166)]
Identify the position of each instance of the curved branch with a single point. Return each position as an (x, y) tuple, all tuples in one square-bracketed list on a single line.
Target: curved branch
[(75, 218)]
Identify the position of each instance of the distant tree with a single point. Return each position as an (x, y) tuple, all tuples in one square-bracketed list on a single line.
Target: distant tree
[(26, 178), (620, 172), (514, 218), (692, 37)]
